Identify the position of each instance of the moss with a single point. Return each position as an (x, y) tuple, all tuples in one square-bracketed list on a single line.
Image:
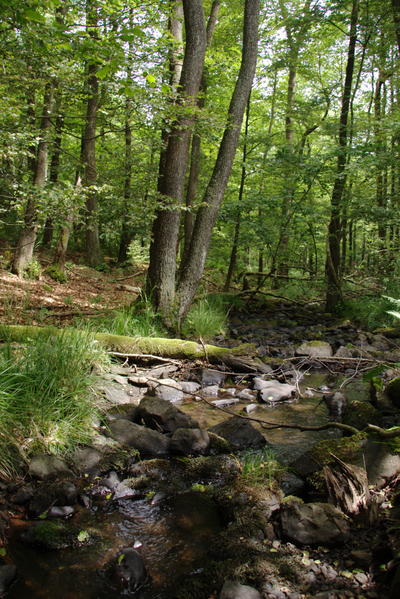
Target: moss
[(393, 389), (218, 444), (345, 449), (59, 535), (361, 413), (55, 273)]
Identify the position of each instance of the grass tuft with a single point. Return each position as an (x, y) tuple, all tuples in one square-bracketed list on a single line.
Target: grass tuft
[(45, 396)]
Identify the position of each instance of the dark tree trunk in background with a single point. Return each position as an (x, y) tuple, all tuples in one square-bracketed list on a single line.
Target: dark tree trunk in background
[(160, 283), (89, 149), (194, 265), (54, 167), (24, 252), (332, 264)]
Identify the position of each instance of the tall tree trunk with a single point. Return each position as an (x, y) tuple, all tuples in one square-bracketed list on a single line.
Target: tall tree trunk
[(396, 18), (332, 264), (93, 253), (24, 252), (233, 260), (191, 192), (207, 214), (160, 283)]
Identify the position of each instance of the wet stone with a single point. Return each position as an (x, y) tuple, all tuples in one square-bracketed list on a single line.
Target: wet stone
[(239, 432)]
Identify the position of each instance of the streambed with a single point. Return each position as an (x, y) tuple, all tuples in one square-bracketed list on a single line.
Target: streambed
[(173, 535)]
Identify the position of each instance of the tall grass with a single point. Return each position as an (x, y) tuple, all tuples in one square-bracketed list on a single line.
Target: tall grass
[(204, 320), (373, 311), (45, 396)]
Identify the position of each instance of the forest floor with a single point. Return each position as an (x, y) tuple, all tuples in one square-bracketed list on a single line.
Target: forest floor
[(86, 293)]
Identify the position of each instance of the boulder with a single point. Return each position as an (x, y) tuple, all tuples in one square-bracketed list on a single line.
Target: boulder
[(44, 467), (8, 575), (161, 415), (130, 571), (315, 349), (361, 413), (239, 432), (52, 494), (167, 389), (273, 391), (190, 441), (212, 377), (344, 352), (313, 523), (148, 442), (126, 411), (235, 590)]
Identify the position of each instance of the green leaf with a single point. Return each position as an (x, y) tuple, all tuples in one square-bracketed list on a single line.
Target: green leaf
[(3, 552), (109, 496), (165, 88), (121, 557), (151, 81), (83, 535), (32, 15), (43, 516), (102, 73)]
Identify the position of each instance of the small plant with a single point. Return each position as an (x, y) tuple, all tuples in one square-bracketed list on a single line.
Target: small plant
[(204, 320), (260, 466), (33, 270), (137, 255)]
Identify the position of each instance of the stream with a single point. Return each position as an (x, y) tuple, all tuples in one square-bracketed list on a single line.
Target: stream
[(173, 535)]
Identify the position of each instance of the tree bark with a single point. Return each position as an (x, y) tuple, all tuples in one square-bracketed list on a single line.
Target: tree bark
[(207, 214), (193, 182), (160, 283), (332, 264), (396, 18), (93, 253), (24, 252)]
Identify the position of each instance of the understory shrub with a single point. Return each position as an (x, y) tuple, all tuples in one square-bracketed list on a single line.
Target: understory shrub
[(45, 395)]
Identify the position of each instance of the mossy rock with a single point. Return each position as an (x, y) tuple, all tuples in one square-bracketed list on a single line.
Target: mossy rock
[(219, 444), (58, 535), (118, 458), (393, 391), (389, 332), (55, 273), (361, 413)]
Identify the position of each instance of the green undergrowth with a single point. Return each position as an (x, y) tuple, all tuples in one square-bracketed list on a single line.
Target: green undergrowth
[(259, 466), (45, 396), (208, 316), (133, 321), (372, 312)]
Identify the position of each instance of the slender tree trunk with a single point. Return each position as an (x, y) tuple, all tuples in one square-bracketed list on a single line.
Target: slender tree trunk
[(24, 252), (396, 18), (233, 260), (160, 283), (332, 265), (207, 213), (191, 192), (54, 167), (93, 253)]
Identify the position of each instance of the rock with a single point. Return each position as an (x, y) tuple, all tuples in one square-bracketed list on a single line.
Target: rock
[(148, 442), (361, 413), (162, 371), (190, 387), (274, 391), (52, 494), (380, 463), (60, 512), (245, 394), (315, 349), (190, 441), (159, 414), (335, 402), (105, 456), (168, 390), (114, 393), (43, 467), (212, 377), (8, 575), (313, 523), (344, 352), (235, 590), (393, 392), (126, 411), (211, 391), (239, 432), (23, 495), (252, 407), (57, 535), (130, 571), (222, 403)]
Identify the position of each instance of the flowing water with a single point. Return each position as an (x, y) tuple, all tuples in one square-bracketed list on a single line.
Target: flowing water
[(172, 536)]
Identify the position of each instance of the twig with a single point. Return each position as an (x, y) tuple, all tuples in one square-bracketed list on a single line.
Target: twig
[(204, 348), (149, 356)]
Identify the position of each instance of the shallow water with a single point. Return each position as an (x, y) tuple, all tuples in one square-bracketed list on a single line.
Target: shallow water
[(174, 534)]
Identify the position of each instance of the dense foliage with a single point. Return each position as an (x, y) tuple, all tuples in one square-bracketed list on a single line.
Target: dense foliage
[(88, 91)]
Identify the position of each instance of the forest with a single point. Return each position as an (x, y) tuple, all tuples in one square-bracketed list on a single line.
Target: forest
[(257, 140)]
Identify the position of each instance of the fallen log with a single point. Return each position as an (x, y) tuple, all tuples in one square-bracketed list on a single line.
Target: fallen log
[(241, 357)]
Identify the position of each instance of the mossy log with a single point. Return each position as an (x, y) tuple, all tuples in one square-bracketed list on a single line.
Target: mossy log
[(240, 357)]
